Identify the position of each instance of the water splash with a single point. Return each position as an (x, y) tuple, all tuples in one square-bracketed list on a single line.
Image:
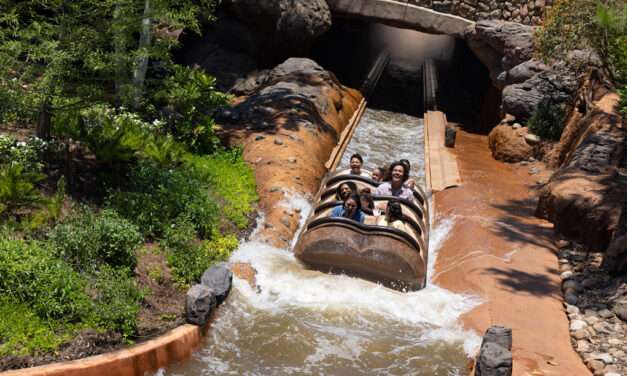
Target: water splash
[(299, 321)]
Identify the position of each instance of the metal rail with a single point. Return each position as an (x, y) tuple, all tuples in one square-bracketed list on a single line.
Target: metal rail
[(371, 81)]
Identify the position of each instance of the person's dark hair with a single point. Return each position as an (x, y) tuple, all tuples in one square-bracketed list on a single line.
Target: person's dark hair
[(407, 164), (356, 199), (352, 186), (395, 211), (365, 194), (405, 170), (358, 156)]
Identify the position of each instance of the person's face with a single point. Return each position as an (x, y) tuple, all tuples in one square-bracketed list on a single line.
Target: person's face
[(397, 173), (355, 164), (345, 191), (350, 206), (376, 175)]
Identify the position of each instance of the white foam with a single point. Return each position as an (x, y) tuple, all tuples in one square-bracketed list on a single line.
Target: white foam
[(285, 284)]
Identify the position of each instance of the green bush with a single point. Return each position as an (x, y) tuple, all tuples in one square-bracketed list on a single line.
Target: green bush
[(117, 301), (547, 121), (188, 257), (581, 24), (231, 179), (87, 239), (186, 98), (157, 196), (20, 171), (22, 332), (31, 275)]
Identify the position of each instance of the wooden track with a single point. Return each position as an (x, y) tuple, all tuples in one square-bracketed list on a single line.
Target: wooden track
[(440, 163)]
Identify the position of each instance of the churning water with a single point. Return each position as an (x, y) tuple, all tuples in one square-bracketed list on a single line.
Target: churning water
[(298, 321)]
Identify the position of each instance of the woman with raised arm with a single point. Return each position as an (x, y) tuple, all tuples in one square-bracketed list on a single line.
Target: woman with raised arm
[(395, 187)]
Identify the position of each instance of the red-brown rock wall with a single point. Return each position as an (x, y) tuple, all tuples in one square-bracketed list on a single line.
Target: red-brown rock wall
[(287, 125)]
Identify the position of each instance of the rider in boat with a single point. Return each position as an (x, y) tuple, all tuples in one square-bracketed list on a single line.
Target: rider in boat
[(351, 209), (410, 182), (393, 216), (356, 162), (345, 190), (377, 174), (395, 187), (367, 202)]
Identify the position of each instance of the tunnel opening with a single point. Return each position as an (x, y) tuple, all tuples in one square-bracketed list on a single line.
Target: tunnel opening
[(465, 93)]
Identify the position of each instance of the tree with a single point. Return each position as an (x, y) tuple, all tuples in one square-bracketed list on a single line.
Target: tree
[(62, 55)]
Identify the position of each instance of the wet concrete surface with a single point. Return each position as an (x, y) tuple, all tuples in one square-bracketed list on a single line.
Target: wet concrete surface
[(500, 251)]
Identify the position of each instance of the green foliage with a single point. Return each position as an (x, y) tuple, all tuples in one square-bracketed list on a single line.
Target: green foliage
[(156, 197), (73, 53), (18, 187), (623, 100), (187, 257), (547, 121), (88, 239), (22, 332), (187, 98), (117, 301), (20, 171), (232, 179), (577, 24), (30, 274)]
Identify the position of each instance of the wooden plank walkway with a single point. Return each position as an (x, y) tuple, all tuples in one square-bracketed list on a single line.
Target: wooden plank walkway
[(440, 163)]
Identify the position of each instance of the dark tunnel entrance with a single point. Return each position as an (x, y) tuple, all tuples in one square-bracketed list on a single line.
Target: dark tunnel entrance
[(465, 94)]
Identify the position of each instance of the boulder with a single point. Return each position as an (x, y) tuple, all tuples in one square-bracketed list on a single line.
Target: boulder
[(292, 25), (218, 278), (556, 86), (494, 360), (199, 301), (522, 72), (508, 144), (615, 259), (620, 309), (500, 45), (500, 335)]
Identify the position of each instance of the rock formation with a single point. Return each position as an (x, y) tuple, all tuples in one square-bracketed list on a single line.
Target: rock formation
[(292, 25), (583, 198), (508, 144), (287, 120), (520, 11)]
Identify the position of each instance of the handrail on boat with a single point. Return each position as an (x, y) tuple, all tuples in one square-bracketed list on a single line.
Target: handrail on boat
[(417, 244)]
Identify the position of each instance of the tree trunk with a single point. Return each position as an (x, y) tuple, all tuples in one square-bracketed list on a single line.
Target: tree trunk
[(44, 121), (141, 63)]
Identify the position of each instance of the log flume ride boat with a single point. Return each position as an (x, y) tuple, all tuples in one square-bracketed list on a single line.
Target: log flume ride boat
[(392, 257)]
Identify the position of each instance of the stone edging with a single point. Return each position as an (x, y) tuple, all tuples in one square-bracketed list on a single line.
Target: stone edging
[(175, 345)]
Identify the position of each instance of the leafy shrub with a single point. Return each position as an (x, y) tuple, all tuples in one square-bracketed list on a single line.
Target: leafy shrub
[(27, 154), (156, 197), (31, 275), (580, 24), (117, 301), (547, 121), (20, 171), (232, 179), (187, 257), (18, 187), (187, 97), (88, 238), (119, 136), (22, 332)]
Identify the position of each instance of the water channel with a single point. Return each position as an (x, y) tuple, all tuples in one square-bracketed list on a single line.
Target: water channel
[(305, 322)]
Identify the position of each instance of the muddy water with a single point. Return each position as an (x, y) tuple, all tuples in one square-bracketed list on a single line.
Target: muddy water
[(297, 321)]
